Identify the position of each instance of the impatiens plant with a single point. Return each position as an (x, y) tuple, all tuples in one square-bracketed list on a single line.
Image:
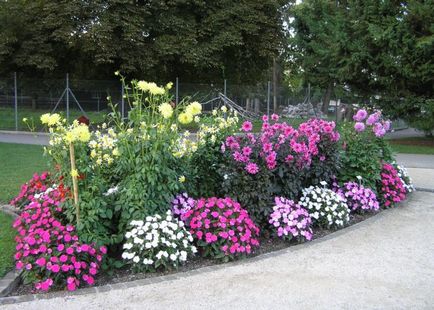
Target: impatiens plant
[(157, 243), (290, 220), (405, 178), (48, 251), (222, 229), (358, 197), (181, 204), (391, 188), (37, 185), (327, 208)]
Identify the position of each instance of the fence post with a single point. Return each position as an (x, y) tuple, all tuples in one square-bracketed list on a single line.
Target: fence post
[(16, 101), (177, 91), (268, 98), (224, 88), (67, 97), (122, 102)]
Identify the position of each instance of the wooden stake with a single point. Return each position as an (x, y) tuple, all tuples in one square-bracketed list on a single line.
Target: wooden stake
[(74, 182)]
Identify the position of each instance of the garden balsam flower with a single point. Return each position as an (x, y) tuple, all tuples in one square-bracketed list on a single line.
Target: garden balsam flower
[(392, 188), (358, 197), (326, 207), (222, 228), (157, 242), (290, 220)]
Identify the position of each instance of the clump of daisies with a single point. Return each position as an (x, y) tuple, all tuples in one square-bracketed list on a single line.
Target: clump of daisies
[(158, 242), (290, 220), (326, 208), (405, 178)]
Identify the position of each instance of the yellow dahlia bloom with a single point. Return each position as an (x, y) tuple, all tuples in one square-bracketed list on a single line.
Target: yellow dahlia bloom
[(45, 118), (194, 108), (185, 118), (166, 110)]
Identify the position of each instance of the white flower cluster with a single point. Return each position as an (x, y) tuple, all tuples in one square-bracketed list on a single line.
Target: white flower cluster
[(221, 119), (325, 207), (157, 242), (103, 146), (405, 178), (46, 192)]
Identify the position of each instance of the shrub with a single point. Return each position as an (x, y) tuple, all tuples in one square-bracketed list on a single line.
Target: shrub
[(158, 242), (222, 229), (290, 220), (326, 207), (181, 204), (391, 188), (358, 197), (48, 251)]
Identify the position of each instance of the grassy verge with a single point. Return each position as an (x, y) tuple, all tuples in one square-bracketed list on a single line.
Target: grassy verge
[(7, 117), (18, 163), (417, 145), (7, 243)]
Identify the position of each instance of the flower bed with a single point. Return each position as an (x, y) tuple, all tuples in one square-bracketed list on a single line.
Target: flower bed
[(142, 196)]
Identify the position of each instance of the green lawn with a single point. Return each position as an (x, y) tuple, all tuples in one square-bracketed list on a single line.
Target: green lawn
[(7, 117), (417, 145), (18, 163), (7, 243)]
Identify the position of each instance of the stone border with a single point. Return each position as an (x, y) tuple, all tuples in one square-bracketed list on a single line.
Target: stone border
[(422, 189), (189, 273)]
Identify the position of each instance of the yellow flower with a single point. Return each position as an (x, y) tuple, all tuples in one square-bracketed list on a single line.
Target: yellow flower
[(194, 108), (214, 112), (224, 109), (74, 173), (54, 119), (169, 85), (25, 119), (185, 118), (82, 133), (143, 85), (117, 73), (181, 179), (69, 137), (93, 153), (45, 118), (116, 152), (166, 110), (196, 119), (99, 161), (150, 87)]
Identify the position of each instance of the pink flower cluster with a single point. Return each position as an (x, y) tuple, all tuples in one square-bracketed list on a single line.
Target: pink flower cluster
[(49, 251), (379, 126), (38, 184), (290, 219), (279, 143), (392, 188), (359, 197), (222, 228), (181, 204)]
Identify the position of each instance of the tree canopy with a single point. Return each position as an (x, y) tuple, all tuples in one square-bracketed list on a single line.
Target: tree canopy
[(194, 39)]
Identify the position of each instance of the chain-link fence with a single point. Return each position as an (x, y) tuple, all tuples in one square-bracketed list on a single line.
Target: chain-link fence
[(29, 98)]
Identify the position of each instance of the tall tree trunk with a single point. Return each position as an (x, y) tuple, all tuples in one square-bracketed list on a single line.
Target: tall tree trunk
[(326, 98)]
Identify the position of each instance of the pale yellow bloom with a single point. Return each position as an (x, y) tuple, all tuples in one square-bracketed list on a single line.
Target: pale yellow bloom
[(93, 154), (185, 118), (194, 108), (54, 119), (25, 120), (196, 119), (99, 161), (116, 152), (45, 118), (169, 85), (181, 179), (224, 109), (74, 173), (166, 110), (214, 112), (117, 73)]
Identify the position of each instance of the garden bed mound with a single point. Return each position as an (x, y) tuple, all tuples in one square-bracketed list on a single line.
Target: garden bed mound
[(268, 244)]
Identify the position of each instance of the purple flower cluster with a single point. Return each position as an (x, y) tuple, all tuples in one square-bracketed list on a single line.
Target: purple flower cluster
[(181, 204), (359, 197), (379, 126), (290, 219)]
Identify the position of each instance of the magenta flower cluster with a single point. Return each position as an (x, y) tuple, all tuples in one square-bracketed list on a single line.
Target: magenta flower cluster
[(279, 143), (358, 197), (290, 220), (392, 188), (38, 184), (379, 126), (181, 204), (48, 251), (222, 228)]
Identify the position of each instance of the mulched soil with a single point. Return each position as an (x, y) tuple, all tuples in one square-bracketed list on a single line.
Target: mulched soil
[(125, 274)]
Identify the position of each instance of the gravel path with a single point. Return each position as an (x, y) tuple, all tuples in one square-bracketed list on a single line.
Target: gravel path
[(386, 262)]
